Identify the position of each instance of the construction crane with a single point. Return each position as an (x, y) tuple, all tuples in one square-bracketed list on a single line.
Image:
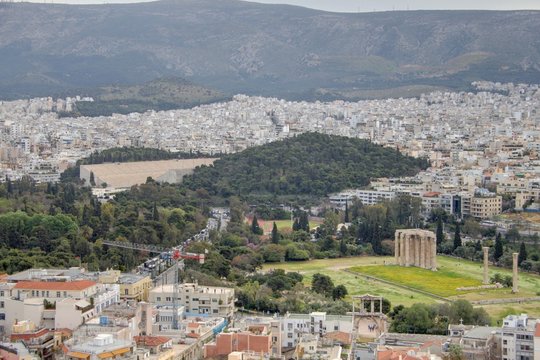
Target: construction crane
[(175, 254), (156, 250)]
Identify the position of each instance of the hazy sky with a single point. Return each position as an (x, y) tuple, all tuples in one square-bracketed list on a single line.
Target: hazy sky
[(363, 5), (382, 5)]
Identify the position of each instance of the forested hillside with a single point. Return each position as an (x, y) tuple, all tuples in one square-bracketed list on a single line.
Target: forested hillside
[(308, 164), (62, 225)]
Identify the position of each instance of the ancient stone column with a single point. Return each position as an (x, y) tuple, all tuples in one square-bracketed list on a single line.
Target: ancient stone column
[(515, 279), (486, 264), (423, 252), (416, 251), (429, 249), (402, 250), (396, 247), (433, 253), (408, 250)]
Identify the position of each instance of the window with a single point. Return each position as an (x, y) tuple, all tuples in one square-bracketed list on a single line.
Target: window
[(158, 298), (1, 293), (168, 298), (43, 293), (58, 294), (65, 293), (336, 327), (215, 311), (1, 304), (2, 316)]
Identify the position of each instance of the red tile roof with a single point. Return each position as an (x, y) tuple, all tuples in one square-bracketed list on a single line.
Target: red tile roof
[(55, 285), (151, 340), (29, 335)]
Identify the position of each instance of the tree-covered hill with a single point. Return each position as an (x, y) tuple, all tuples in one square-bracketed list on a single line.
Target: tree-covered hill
[(308, 164)]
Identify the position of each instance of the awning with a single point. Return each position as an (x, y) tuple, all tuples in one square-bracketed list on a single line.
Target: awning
[(106, 355), (82, 304), (121, 351), (78, 355)]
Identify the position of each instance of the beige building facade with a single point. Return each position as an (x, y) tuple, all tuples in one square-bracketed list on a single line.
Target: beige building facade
[(197, 299)]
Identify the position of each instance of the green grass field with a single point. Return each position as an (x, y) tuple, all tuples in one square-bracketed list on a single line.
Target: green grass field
[(443, 282), (356, 285), (452, 273), (282, 225)]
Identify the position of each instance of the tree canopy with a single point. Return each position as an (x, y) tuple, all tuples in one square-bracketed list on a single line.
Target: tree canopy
[(308, 164)]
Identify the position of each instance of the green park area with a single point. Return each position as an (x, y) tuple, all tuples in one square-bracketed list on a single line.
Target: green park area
[(282, 225), (400, 285), (443, 282)]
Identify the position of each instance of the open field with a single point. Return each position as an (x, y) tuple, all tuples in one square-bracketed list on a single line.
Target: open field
[(452, 273), (443, 282), (356, 285), (498, 311), (282, 225)]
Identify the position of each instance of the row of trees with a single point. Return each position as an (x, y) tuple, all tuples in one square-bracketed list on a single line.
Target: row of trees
[(434, 319), (501, 248)]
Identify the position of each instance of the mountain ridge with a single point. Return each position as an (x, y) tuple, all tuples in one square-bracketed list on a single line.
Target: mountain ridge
[(260, 49)]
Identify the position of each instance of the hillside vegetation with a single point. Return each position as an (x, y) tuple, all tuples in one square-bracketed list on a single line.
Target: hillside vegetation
[(159, 94), (308, 164), (260, 49)]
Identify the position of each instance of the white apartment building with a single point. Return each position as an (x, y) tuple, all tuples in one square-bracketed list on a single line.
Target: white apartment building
[(367, 197), (5, 295), (196, 299), (293, 326), (518, 333)]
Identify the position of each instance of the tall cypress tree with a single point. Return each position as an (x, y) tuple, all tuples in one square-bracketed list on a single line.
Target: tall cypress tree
[(498, 252), (343, 247), (92, 179), (522, 253), (255, 228), (155, 213), (440, 233), (275, 234), (457, 237), (346, 212)]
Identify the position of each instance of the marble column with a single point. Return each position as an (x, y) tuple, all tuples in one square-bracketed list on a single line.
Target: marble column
[(408, 250), (402, 250), (416, 251), (429, 259), (433, 254), (515, 280), (486, 264), (423, 252), (396, 247)]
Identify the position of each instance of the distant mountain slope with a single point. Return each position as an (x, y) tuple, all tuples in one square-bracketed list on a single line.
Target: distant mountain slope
[(239, 46), (308, 164), (160, 94)]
